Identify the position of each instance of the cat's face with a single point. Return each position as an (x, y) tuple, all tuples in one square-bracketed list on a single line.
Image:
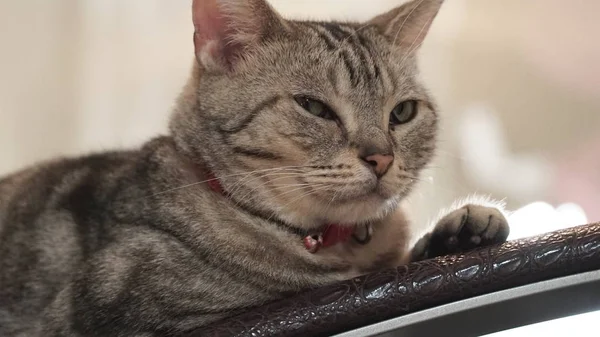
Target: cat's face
[(313, 122)]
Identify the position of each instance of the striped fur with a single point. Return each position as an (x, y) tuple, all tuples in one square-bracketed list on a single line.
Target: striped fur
[(134, 242)]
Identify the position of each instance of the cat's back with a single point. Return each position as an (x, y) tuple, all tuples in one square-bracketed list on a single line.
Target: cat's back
[(50, 185), (46, 218)]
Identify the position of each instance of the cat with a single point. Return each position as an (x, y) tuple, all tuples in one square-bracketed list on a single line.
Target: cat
[(290, 153)]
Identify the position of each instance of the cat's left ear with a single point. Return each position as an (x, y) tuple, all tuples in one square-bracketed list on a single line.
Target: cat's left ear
[(225, 30), (407, 26)]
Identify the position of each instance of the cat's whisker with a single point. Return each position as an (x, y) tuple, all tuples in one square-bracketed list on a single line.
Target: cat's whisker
[(287, 192), (408, 175), (271, 171), (299, 189), (434, 167), (289, 185), (298, 167), (419, 180), (239, 184), (226, 176), (270, 182), (237, 203), (255, 188), (289, 169), (311, 192), (235, 187), (284, 175), (331, 201)]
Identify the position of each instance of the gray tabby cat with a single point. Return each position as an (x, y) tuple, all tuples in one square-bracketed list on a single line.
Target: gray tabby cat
[(286, 130)]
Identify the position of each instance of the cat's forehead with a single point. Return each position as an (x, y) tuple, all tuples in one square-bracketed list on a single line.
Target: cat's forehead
[(355, 59), (355, 44)]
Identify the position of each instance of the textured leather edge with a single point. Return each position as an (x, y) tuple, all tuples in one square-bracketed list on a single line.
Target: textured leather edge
[(417, 286)]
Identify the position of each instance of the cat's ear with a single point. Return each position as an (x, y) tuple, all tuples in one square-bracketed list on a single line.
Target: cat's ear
[(226, 29), (407, 26)]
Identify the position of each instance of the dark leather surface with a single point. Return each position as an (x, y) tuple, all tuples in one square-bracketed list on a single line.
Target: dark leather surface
[(374, 298)]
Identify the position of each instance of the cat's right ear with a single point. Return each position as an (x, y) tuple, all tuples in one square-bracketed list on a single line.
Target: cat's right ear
[(227, 29)]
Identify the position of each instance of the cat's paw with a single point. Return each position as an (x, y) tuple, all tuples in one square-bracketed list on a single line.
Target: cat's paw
[(469, 227)]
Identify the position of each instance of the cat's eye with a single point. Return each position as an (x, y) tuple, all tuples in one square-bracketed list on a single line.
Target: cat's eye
[(315, 107), (403, 113)]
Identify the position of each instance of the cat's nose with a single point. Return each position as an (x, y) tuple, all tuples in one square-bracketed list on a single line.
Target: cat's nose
[(380, 163)]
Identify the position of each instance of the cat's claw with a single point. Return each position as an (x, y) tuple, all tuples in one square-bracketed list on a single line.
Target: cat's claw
[(467, 228)]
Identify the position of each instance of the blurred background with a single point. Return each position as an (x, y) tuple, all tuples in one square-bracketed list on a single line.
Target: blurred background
[(518, 83)]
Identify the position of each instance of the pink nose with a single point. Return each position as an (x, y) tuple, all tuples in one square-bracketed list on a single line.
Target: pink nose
[(380, 163)]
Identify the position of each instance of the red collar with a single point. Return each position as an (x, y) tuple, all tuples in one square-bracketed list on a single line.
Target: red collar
[(330, 236)]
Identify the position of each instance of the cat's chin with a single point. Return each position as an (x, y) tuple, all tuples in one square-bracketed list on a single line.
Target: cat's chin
[(360, 208), (368, 208), (351, 208)]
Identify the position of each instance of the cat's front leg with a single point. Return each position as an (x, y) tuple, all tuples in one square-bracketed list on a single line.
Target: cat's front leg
[(468, 227)]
